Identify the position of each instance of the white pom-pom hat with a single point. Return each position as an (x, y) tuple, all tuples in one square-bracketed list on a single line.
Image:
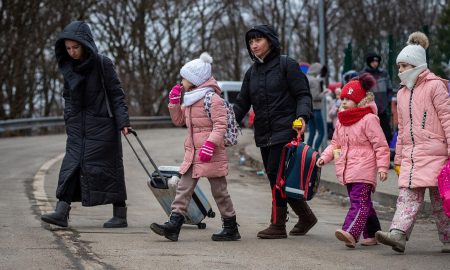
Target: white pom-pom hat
[(414, 54), (198, 70)]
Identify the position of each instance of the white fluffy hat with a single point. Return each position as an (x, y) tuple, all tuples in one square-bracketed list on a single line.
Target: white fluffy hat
[(414, 53), (198, 70)]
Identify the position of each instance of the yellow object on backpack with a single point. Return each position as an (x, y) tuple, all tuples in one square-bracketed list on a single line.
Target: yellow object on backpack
[(297, 124)]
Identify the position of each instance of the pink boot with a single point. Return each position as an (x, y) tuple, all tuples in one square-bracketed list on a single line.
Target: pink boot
[(345, 237)]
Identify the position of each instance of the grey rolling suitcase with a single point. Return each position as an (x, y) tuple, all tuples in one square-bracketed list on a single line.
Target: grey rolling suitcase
[(163, 184)]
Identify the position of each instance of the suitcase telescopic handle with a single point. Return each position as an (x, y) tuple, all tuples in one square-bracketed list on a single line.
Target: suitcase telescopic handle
[(132, 131)]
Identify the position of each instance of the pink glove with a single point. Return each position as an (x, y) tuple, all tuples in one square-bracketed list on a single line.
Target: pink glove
[(175, 94), (206, 152)]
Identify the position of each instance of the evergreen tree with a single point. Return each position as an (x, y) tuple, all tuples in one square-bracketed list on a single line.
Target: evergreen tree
[(440, 44)]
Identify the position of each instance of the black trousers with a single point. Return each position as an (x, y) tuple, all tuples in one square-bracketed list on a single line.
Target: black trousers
[(386, 125), (373, 225), (271, 156), (73, 190)]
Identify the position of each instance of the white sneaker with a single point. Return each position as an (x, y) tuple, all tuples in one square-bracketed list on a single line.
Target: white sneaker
[(445, 247)]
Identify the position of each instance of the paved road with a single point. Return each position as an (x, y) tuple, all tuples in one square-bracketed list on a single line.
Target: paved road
[(29, 169)]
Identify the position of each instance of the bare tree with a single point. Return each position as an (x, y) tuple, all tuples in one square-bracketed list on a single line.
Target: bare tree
[(369, 22), (28, 71), (149, 40)]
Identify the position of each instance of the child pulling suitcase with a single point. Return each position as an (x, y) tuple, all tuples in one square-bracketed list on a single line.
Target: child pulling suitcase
[(163, 183), (205, 154)]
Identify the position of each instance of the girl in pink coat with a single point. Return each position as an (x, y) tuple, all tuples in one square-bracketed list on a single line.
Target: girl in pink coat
[(423, 145), (361, 153), (205, 154)]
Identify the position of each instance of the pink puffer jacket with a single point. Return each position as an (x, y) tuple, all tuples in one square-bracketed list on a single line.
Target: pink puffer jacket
[(364, 150), (423, 144), (201, 129)]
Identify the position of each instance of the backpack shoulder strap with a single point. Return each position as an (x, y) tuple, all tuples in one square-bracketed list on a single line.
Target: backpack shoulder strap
[(283, 64), (207, 102)]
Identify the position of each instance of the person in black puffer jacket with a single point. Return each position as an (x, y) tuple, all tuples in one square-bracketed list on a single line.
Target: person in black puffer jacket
[(95, 113), (383, 91), (279, 93)]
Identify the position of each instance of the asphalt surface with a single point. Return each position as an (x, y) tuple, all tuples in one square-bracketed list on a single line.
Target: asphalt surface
[(30, 168)]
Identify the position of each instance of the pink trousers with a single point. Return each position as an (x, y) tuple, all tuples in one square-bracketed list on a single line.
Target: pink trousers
[(409, 203), (219, 191)]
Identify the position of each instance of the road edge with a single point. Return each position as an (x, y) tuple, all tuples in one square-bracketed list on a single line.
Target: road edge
[(80, 254)]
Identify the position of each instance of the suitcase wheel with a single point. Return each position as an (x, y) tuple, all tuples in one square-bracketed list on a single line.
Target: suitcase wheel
[(211, 213), (201, 226)]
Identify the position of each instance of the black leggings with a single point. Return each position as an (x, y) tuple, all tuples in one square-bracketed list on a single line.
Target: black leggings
[(271, 158)]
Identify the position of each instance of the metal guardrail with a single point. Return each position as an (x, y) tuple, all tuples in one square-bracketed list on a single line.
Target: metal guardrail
[(40, 122)]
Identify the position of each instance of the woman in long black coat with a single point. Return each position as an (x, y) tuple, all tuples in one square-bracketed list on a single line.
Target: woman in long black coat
[(95, 112)]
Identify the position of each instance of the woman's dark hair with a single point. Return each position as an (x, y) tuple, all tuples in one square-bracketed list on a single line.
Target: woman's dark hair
[(254, 34)]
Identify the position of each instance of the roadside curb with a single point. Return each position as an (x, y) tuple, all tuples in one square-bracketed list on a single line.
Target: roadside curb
[(68, 236), (40, 195)]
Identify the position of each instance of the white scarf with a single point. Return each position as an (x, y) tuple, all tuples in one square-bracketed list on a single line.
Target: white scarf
[(409, 77), (261, 60), (193, 96)]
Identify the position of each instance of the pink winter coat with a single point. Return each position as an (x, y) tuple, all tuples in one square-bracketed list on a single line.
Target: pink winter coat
[(423, 143), (364, 150), (202, 129)]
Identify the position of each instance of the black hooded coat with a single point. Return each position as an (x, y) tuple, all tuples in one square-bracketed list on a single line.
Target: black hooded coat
[(383, 89), (278, 94), (93, 158)]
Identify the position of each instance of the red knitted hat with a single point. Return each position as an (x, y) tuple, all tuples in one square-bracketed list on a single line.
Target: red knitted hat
[(357, 88)]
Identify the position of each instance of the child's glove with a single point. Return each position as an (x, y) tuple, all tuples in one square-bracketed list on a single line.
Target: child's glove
[(175, 94), (337, 153), (206, 152), (397, 169)]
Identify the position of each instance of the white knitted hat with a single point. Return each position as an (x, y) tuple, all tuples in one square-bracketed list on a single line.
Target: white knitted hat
[(198, 70), (414, 53)]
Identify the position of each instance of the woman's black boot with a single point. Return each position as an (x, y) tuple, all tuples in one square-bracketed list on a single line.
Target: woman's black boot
[(61, 215), (119, 219)]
